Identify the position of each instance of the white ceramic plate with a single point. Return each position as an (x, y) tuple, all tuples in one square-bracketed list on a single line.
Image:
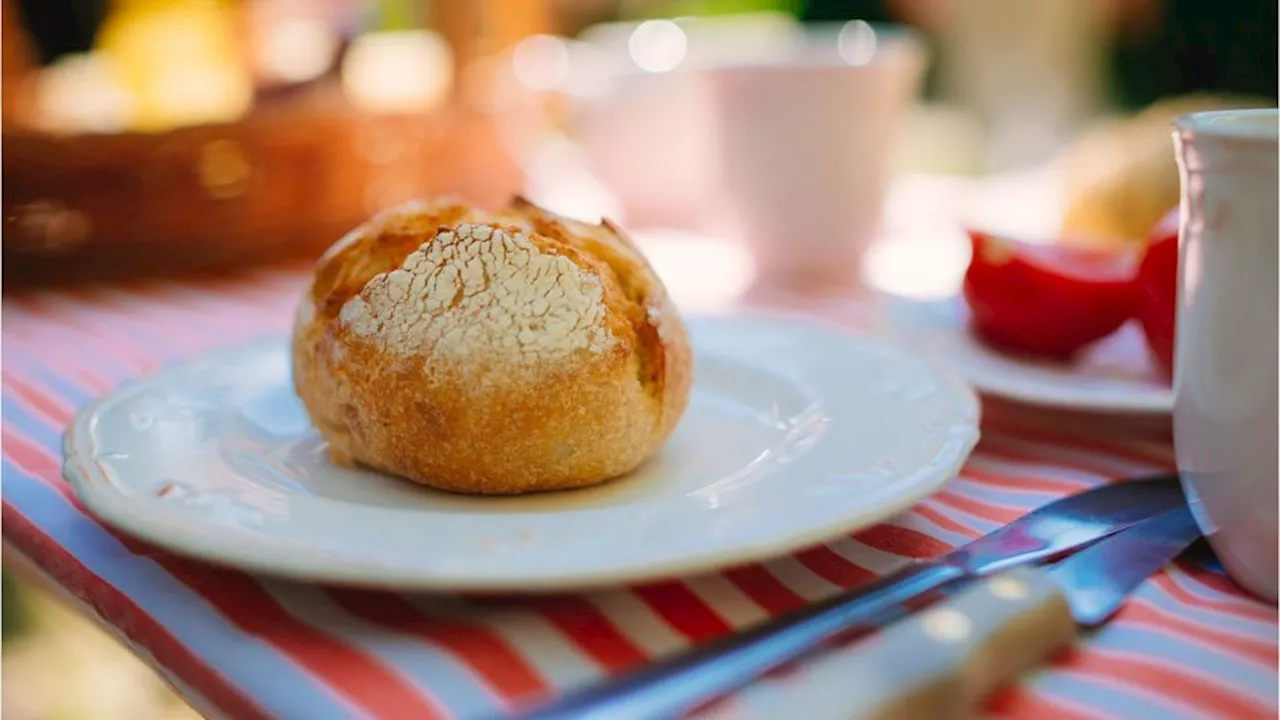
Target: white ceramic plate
[(1114, 376), (796, 433)]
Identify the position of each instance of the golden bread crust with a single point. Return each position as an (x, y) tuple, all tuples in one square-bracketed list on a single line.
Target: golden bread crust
[(459, 385)]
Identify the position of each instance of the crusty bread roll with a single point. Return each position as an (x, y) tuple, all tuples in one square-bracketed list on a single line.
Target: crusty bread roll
[(490, 352)]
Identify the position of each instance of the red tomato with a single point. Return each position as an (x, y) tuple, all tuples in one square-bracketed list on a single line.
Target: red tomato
[(1157, 290), (1048, 300)]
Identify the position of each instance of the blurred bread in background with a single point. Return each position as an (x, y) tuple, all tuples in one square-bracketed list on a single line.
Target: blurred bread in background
[(1122, 177)]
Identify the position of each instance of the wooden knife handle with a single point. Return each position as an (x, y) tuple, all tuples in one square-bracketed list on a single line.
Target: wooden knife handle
[(937, 663)]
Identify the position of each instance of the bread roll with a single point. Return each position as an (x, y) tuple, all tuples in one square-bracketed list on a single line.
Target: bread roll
[(490, 352), (1123, 177)]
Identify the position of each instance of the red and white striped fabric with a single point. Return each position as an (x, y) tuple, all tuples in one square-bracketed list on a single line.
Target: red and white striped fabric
[(1188, 645)]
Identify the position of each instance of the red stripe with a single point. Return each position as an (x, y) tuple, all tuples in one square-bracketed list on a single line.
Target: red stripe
[(1075, 424), (363, 680), (1069, 439), (902, 541), (725, 706), (145, 297), (1163, 680), (1229, 605), (683, 610), (1225, 586), (1024, 702), (1016, 504), (1142, 612), (1001, 449), (585, 626), (765, 589), (122, 612), (978, 509), (248, 316), (43, 353), (127, 355), (833, 568), (44, 404), (174, 329), (104, 308), (1025, 482), (488, 654), (927, 511), (95, 383), (1102, 468)]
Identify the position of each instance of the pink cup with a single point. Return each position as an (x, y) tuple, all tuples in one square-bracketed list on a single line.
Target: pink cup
[(805, 141)]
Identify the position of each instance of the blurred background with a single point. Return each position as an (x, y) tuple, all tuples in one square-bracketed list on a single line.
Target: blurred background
[(148, 138)]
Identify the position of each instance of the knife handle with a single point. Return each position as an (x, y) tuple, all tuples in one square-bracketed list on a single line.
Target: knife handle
[(937, 663), (676, 686)]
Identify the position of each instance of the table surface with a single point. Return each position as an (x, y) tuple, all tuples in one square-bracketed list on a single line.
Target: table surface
[(1188, 644)]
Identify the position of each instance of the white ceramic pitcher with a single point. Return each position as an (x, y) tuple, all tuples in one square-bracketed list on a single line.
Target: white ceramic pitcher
[(1225, 371)]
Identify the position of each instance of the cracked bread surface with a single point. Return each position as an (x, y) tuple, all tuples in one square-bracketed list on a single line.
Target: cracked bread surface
[(490, 352)]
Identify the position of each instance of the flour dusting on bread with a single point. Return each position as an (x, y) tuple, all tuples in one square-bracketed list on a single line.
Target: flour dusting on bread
[(490, 351), (482, 291)]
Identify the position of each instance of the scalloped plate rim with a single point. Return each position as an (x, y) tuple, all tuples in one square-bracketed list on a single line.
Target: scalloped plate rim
[(242, 550)]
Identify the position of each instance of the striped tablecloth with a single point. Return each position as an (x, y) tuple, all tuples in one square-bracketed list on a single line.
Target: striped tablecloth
[(1188, 645)]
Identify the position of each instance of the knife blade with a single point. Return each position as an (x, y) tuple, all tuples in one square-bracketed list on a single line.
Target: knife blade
[(941, 662), (677, 685)]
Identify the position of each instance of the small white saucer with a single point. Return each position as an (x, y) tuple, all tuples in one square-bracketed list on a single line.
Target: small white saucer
[(1114, 376)]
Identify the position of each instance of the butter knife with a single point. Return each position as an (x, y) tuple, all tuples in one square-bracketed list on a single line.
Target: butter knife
[(941, 662), (675, 686)]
